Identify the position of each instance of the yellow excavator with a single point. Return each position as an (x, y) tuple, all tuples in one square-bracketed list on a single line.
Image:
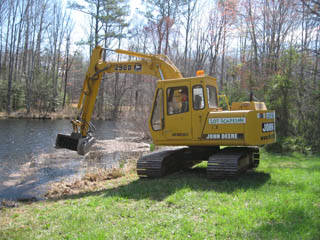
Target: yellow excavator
[(185, 112)]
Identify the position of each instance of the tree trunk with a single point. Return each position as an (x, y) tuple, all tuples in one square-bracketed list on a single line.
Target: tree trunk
[(66, 72)]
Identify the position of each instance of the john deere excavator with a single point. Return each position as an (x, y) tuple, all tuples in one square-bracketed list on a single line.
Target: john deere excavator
[(185, 112)]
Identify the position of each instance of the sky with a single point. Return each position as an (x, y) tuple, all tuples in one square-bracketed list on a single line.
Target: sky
[(82, 20)]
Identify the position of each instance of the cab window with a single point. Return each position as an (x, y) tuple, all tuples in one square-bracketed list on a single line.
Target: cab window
[(212, 96), (177, 100), (157, 114), (198, 97)]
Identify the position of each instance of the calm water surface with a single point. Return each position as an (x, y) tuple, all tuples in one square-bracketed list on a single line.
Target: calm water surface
[(21, 139)]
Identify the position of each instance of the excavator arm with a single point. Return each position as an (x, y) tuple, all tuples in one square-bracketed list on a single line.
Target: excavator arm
[(81, 139)]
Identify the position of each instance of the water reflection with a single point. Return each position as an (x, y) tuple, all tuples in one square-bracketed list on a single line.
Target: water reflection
[(22, 139)]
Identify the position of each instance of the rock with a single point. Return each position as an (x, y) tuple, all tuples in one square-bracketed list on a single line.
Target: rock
[(27, 199), (9, 204)]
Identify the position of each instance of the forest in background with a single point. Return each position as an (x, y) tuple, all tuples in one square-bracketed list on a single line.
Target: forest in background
[(267, 47)]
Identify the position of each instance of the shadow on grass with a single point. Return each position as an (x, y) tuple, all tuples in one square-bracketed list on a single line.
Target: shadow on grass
[(28, 186), (195, 180)]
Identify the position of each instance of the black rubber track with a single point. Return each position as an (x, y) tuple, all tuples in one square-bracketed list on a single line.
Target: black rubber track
[(227, 162), (161, 163), (232, 161)]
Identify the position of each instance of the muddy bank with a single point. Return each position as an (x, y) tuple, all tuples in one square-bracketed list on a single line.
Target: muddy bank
[(68, 113), (35, 178)]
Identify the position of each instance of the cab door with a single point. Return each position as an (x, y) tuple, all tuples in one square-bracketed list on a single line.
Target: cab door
[(157, 120), (178, 111), (199, 108)]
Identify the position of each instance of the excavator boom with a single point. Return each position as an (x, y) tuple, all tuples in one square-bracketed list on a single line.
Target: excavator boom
[(81, 138)]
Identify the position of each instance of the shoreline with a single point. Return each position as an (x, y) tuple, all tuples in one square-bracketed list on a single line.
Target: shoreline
[(60, 114), (54, 116), (62, 172)]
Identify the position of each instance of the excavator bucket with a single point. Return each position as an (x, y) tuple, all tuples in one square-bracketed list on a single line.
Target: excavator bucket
[(75, 142), (67, 141)]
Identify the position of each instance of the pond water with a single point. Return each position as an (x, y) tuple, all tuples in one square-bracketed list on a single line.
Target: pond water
[(21, 139)]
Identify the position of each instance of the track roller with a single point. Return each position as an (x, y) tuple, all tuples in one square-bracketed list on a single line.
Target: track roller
[(232, 161), (164, 162)]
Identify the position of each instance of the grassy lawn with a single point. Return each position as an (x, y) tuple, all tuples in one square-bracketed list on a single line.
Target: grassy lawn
[(280, 200)]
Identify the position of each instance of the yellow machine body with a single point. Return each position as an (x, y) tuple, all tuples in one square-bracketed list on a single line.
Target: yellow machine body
[(246, 124)]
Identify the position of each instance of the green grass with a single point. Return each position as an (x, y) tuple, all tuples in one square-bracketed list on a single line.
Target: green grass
[(280, 200)]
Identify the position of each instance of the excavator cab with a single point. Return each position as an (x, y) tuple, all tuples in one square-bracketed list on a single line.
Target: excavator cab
[(186, 112), (180, 109)]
